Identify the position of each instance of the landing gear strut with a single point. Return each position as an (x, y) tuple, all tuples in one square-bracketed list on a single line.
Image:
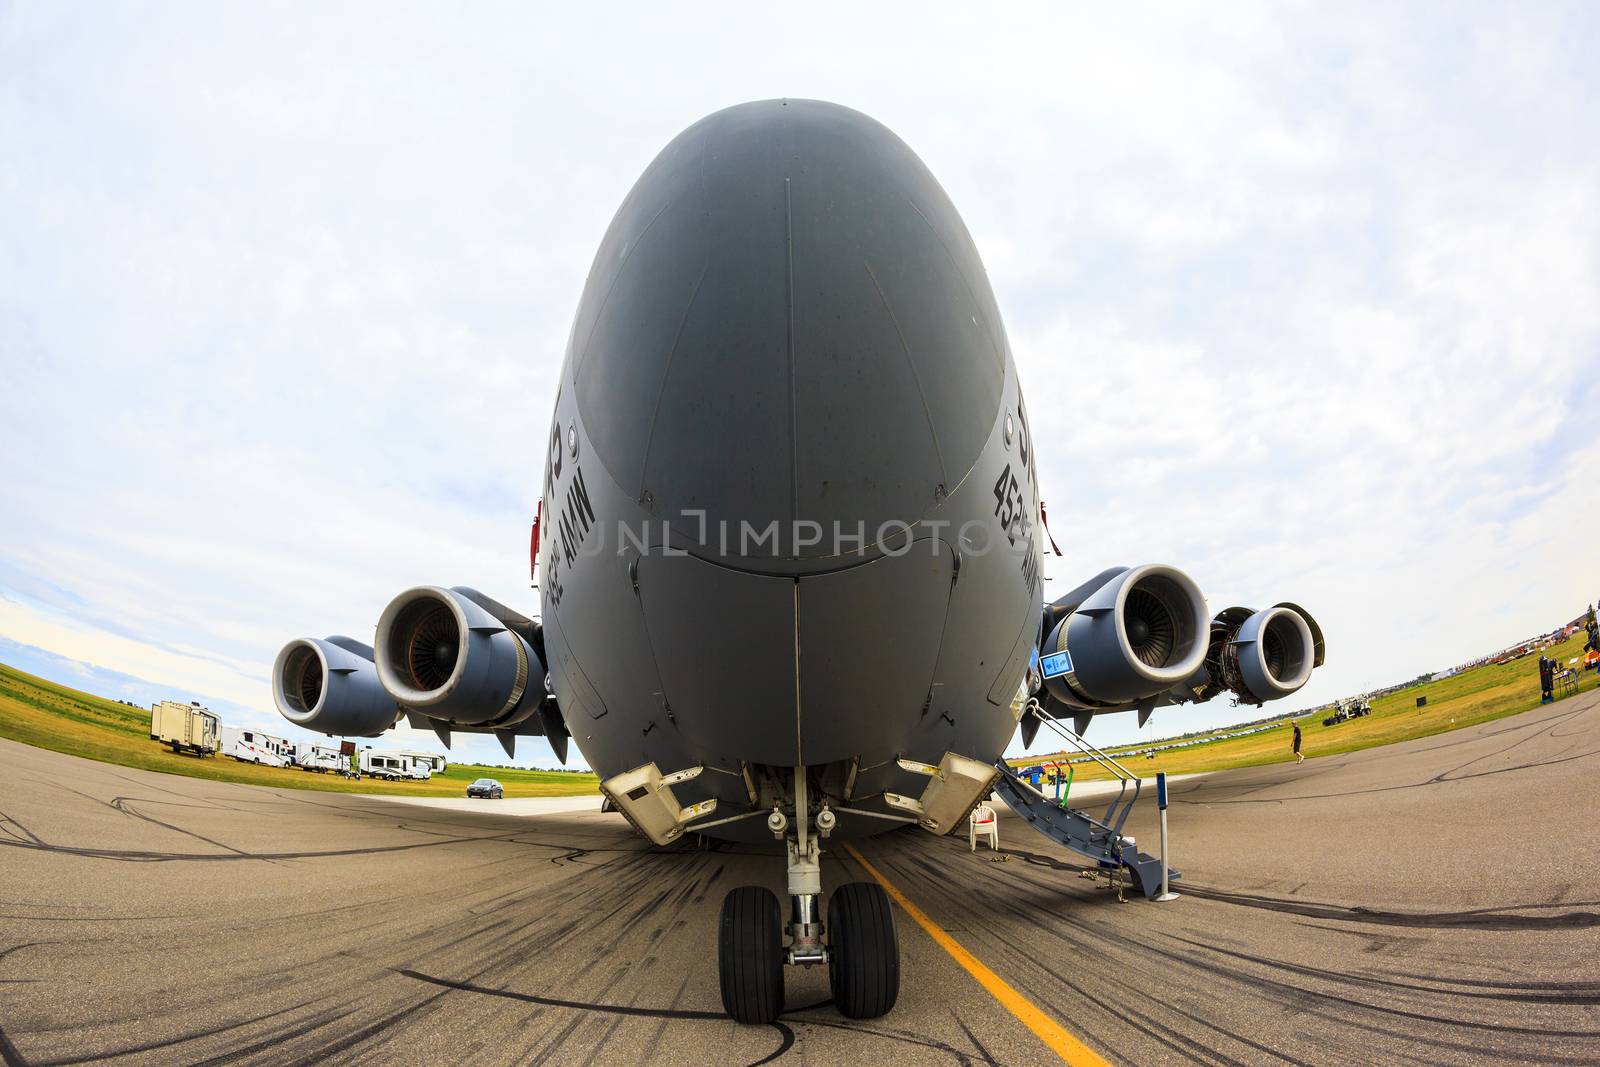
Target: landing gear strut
[(858, 942)]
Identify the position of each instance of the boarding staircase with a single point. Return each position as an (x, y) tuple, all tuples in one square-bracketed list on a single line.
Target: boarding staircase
[(1099, 840)]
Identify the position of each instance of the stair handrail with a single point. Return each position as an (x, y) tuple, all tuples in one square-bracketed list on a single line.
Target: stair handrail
[(1116, 769), (1022, 785)]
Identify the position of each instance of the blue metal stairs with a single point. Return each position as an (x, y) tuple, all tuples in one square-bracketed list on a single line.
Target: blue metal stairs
[(1098, 840)]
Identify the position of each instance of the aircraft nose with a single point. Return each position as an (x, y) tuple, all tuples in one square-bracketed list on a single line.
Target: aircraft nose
[(802, 331)]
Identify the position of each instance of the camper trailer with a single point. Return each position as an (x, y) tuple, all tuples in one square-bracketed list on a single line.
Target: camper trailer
[(391, 766), (319, 758), (186, 727), (253, 746), (432, 763)]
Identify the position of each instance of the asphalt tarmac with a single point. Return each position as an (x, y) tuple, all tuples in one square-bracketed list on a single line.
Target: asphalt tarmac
[(1430, 902)]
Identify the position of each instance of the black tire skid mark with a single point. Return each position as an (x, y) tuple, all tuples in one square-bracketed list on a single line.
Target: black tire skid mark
[(1504, 918), (627, 917), (1295, 992), (4, 952), (123, 805), (1472, 1052), (1322, 998), (888, 1034), (786, 1035), (597, 1055), (1097, 942), (327, 1052), (554, 1040), (19, 833), (9, 1056), (82, 918), (635, 853), (1551, 993), (1490, 983), (646, 1052), (479, 923), (1121, 1010), (32, 841), (1146, 1025), (786, 1032), (530, 916), (1485, 919), (983, 1051), (291, 1027), (119, 804)]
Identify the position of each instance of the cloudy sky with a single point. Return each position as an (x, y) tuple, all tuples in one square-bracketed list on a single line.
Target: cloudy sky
[(1308, 306)]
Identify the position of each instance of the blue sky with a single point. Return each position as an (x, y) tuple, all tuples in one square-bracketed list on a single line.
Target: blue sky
[(1307, 306)]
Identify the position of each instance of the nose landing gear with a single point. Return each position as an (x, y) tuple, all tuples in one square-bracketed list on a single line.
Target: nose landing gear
[(857, 943)]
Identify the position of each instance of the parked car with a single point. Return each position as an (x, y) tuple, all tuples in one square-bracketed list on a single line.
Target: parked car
[(487, 788)]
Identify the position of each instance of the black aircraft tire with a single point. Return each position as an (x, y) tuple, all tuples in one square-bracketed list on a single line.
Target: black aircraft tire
[(750, 954), (863, 952)]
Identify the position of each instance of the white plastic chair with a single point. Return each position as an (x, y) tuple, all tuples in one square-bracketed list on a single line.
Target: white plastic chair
[(982, 822)]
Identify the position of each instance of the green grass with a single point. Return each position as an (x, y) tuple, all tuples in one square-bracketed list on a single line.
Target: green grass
[(46, 715), (41, 713), (1474, 696)]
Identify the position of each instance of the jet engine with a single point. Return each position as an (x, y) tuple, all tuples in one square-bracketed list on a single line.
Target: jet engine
[(457, 656), (1262, 655), (332, 686), (1134, 636)]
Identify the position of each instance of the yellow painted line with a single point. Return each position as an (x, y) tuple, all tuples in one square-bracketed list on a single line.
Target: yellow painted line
[(1046, 1029)]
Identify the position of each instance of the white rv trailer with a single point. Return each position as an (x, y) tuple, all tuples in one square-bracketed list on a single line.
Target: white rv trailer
[(186, 727), (435, 763), (390, 765), (253, 746), (319, 758)]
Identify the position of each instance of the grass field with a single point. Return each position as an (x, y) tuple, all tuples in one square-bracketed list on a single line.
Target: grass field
[(1478, 695), (52, 716), (41, 713)]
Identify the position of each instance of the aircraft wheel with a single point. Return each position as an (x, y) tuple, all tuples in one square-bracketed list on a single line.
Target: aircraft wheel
[(750, 954), (863, 953)]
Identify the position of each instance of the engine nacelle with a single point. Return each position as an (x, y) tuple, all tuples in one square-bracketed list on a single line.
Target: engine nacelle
[(332, 686), (452, 655), (1262, 655), (1136, 636)]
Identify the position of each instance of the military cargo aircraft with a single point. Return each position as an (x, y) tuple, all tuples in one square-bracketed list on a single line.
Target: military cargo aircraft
[(789, 543)]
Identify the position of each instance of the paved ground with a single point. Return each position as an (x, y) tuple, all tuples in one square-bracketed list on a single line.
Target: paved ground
[(503, 806), (1431, 902)]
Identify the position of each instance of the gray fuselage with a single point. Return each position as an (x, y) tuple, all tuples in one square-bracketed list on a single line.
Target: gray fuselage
[(790, 494)]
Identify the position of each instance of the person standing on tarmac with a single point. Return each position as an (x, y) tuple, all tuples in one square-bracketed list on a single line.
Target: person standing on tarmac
[(1299, 757), (1547, 671)]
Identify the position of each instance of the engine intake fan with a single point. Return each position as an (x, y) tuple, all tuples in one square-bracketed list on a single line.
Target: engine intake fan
[(1263, 655), (1137, 635), (452, 655), (332, 686)]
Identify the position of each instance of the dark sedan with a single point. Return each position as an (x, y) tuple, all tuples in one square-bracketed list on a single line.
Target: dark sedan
[(486, 787)]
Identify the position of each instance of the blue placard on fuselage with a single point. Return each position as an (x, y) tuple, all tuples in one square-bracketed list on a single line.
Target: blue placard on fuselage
[(1056, 664)]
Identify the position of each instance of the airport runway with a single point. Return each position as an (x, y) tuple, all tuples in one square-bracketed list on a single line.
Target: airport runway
[(1431, 902)]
